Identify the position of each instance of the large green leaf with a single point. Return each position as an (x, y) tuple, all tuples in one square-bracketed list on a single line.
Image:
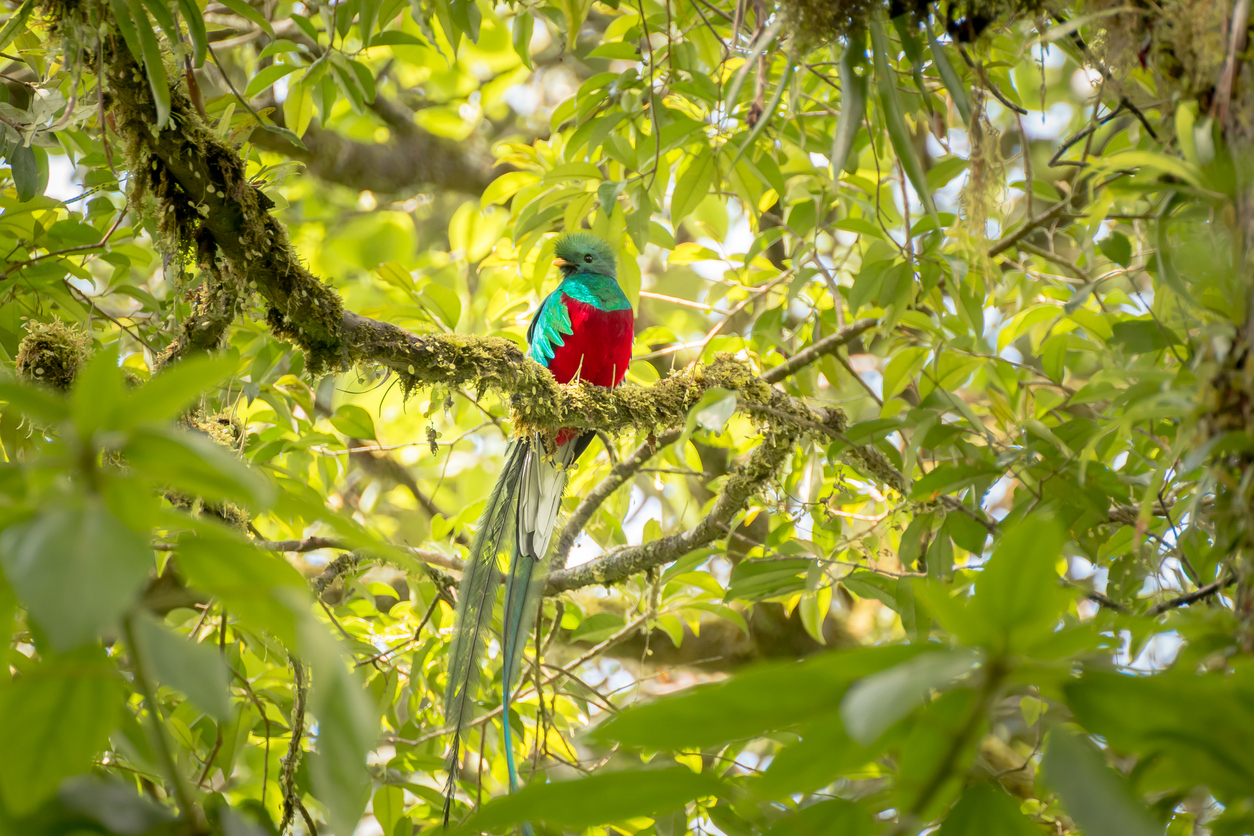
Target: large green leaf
[(876, 702), (36, 403), (260, 587), (751, 703), (195, 669), (1092, 793), (834, 817), (154, 63), (171, 391), (54, 720), (347, 727), (824, 753), (1018, 591), (1211, 741), (894, 118), (984, 809), (190, 462), (598, 799), (76, 569)]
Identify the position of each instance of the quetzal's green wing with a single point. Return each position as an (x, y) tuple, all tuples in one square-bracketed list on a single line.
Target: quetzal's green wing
[(549, 325)]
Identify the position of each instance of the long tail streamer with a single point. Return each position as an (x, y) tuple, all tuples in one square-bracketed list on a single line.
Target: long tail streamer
[(475, 595), (518, 520)]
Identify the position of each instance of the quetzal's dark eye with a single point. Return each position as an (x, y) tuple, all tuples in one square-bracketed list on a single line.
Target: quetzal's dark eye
[(587, 259)]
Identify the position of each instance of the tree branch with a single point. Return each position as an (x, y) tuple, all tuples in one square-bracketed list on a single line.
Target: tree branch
[(411, 161), (748, 479), (825, 346), (618, 476)]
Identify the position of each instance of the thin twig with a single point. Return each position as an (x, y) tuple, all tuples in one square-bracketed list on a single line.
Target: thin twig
[(287, 778)]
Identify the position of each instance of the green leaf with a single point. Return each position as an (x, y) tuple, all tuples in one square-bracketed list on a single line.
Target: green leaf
[(190, 462), (36, 403), (985, 809), (824, 753), (126, 25), (1212, 742), (267, 76), (388, 806), (1092, 793), (443, 302), (950, 78), (261, 588), (13, 26), (872, 705), (948, 478), (195, 21), (523, 25), (902, 369), (764, 118), (367, 17), (872, 585), (937, 752), (54, 720), (834, 817), (1018, 590), (967, 532), (762, 699), (354, 422), (298, 107), (395, 37), (171, 391), (98, 389), (915, 619), (852, 103), (25, 169), (598, 627), (714, 409), (753, 580), (895, 120), (244, 10), (161, 13), (347, 728), (600, 798), (1142, 336), (76, 568), (1117, 248), (197, 670), (911, 548), (692, 185), (154, 64)]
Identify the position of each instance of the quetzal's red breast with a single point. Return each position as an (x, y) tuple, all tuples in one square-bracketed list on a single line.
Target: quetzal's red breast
[(584, 330), (598, 349)]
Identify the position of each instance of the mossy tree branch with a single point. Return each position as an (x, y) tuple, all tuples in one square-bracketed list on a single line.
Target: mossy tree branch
[(200, 184), (204, 197)]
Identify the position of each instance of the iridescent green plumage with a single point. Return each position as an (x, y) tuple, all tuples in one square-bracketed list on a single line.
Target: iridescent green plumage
[(552, 321)]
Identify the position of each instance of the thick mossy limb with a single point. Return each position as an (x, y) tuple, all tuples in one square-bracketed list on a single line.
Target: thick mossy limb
[(200, 187)]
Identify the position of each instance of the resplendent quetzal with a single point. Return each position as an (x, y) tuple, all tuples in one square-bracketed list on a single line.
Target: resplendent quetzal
[(583, 330)]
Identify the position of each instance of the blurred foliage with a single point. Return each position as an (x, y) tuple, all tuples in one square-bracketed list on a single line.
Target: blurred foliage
[(1037, 635)]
